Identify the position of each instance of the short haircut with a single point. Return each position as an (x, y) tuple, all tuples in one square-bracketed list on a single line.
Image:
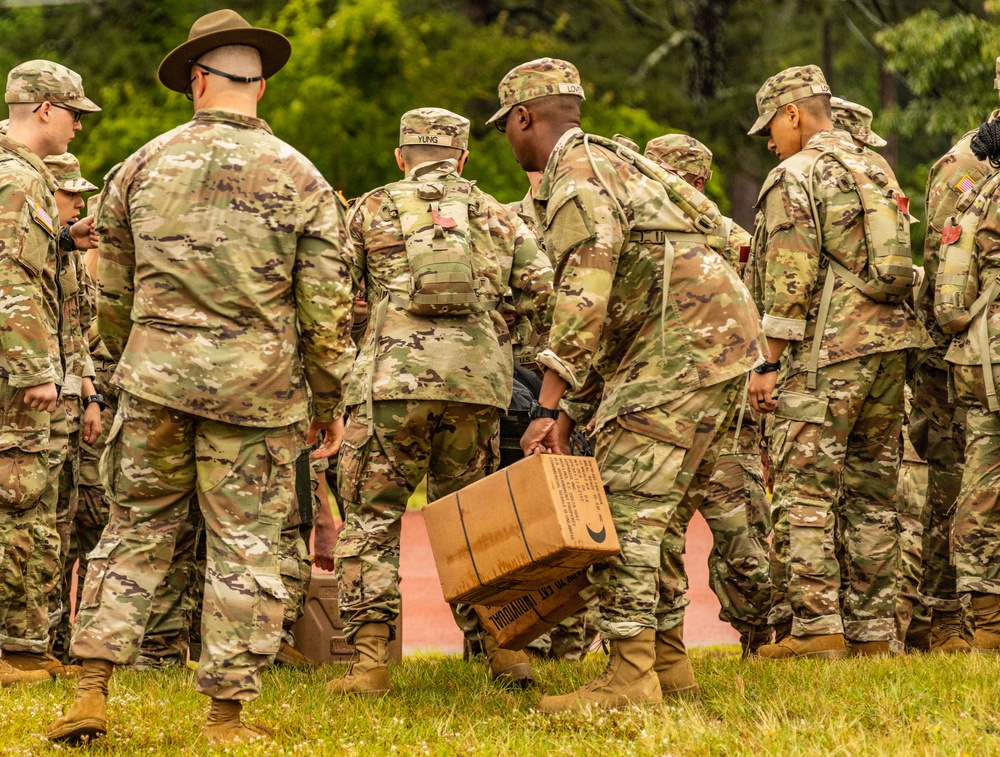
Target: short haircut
[(817, 106), (239, 60), (416, 154), (558, 108)]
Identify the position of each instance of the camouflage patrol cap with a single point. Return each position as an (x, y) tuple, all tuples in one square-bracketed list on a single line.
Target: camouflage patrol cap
[(65, 170), (857, 120), (41, 80), (795, 83), (434, 126), (537, 78), (681, 153)]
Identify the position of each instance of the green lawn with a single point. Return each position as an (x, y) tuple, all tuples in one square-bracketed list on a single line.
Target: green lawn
[(913, 705)]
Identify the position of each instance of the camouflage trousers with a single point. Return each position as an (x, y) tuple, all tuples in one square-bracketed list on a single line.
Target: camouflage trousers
[(937, 430), (654, 487), (453, 444), (913, 619), (157, 460), (570, 639), (836, 456), (976, 522), (737, 512), (25, 624), (66, 506)]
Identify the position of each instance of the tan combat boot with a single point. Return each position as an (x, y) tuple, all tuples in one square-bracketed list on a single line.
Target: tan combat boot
[(11, 676), (948, 633), (88, 715), (369, 672), (673, 666), (293, 658), (629, 679), (47, 662), (827, 646), (986, 608), (753, 639), (223, 725), (868, 649), (508, 667)]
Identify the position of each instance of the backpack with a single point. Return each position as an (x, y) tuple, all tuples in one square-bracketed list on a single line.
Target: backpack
[(434, 219), (956, 287), (887, 229)]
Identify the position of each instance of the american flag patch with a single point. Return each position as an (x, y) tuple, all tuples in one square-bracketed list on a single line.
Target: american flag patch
[(965, 184)]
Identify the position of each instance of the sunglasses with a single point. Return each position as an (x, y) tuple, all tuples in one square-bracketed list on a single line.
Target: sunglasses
[(501, 124), (77, 114)]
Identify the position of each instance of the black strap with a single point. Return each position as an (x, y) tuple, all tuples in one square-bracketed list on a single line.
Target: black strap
[(224, 75)]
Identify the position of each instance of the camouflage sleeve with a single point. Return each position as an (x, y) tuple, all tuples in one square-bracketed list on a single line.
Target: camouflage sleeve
[(115, 265), (86, 313), (791, 259), (582, 404), (530, 277), (355, 224), (584, 236), (323, 297), (738, 249), (24, 336)]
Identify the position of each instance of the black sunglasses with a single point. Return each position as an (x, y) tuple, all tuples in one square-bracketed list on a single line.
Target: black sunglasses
[(77, 114), (501, 123)]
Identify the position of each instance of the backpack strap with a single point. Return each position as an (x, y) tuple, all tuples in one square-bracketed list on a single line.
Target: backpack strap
[(981, 305)]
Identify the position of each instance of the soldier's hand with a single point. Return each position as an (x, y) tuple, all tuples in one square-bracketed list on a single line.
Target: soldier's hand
[(541, 436), (324, 540), (333, 435), (91, 423), (760, 390), (564, 427), (84, 234), (42, 397)]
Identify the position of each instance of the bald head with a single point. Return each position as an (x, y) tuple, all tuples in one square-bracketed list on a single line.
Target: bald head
[(212, 90)]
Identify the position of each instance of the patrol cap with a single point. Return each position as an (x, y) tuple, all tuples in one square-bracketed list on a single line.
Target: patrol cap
[(434, 126), (626, 141), (682, 153), (856, 119), (65, 170), (795, 83), (44, 81), (534, 79)]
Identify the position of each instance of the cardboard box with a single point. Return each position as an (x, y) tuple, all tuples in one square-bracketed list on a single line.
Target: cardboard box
[(524, 527), (517, 624), (319, 633)]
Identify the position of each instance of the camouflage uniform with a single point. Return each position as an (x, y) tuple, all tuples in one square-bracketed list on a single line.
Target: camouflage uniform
[(427, 391), (735, 504), (913, 617), (835, 447), (219, 312), (35, 283), (660, 379), (937, 423)]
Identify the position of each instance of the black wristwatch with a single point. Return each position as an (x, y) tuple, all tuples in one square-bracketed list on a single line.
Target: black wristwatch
[(537, 411), (66, 243), (767, 367), (98, 398)]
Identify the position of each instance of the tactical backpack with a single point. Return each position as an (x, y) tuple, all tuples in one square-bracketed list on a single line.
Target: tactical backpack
[(434, 218), (957, 299), (887, 230)]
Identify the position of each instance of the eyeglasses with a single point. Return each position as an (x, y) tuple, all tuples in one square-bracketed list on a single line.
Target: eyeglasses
[(77, 114), (501, 124)]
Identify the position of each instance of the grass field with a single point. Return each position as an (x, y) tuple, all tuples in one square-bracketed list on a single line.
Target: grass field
[(915, 705)]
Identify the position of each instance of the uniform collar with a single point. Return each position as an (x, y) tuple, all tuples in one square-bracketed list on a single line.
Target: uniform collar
[(555, 158), (435, 168), (831, 137), (228, 116), (15, 147)]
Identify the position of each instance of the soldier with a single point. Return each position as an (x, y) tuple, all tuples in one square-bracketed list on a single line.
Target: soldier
[(735, 506), (46, 103), (82, 404), (433, 375), (653, 370), (838, 416), (937, 423), (224, 289)]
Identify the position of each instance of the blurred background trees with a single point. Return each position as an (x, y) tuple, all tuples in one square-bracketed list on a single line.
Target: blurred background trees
[(926, 67)]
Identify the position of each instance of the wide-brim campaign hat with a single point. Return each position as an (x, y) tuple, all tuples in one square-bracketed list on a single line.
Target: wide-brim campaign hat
[(218, 29)]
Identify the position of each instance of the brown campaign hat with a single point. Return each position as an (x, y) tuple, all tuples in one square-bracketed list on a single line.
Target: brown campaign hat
[(218, 29)]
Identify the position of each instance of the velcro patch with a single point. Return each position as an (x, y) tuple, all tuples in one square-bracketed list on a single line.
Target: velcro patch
[(951, 234), (903, 203), (445, 222), (965, 184), (39, 214), (744, 253)]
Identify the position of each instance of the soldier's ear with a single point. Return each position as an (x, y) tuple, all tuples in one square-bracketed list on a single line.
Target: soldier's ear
[(462, 159), (522, 117), (794, 115), (399, 160)]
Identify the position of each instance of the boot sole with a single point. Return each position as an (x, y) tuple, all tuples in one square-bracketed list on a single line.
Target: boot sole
[(77, 732)]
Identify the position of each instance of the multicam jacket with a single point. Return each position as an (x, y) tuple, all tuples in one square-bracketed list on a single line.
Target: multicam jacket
[(620, 346), (223, 275), (790, 268), (463, 358)]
